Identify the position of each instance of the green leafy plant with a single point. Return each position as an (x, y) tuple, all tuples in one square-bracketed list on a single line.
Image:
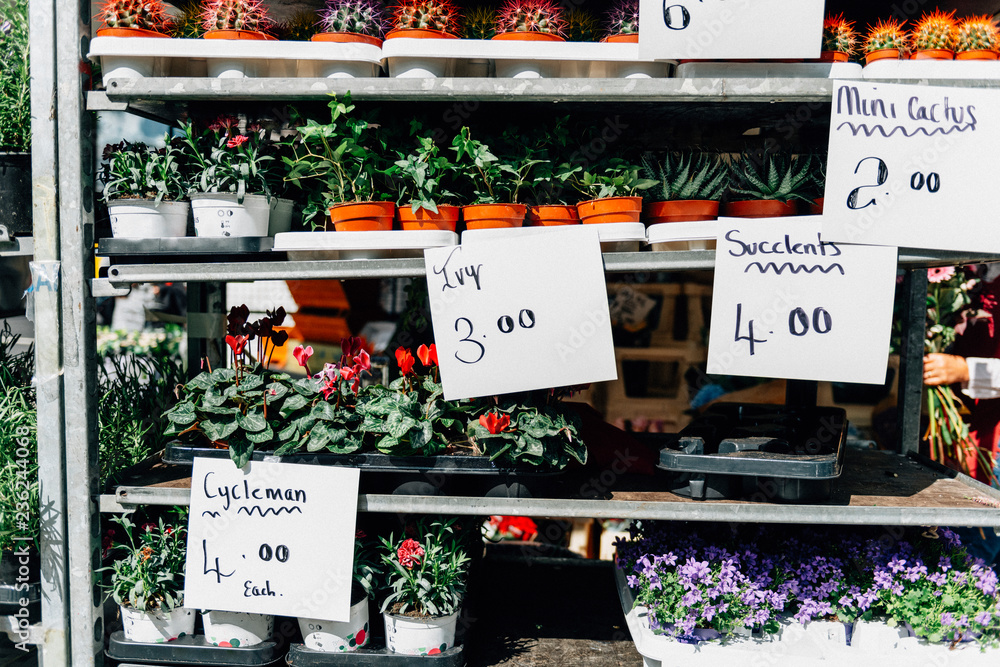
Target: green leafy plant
[(364, 17), (551, 177), (539, 436), (424, 175), (15, 81), (543, 16), (19, 490), (148, 573), (367, 572), (137, 171), (771, 176), (222, 158), (685, 176), (426, 574), (616, 177), (491, 179)]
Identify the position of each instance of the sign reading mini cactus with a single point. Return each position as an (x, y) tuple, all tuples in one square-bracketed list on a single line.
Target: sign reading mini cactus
[(720, 30)]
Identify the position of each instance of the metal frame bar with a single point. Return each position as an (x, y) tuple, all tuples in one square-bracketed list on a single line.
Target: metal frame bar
[(911, 373)]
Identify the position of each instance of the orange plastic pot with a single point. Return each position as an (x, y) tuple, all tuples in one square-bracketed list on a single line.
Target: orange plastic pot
[(129, 32), (553, 215), (761, 208), (882, 54), (236, 34), (681, 211), (610, 209), (815, 207), (977, 54), (368, 216), (445, 219), (934, 54), (346, 38), (493, 216), (833, 57), (419, 33), (528, 36), (622, 39)]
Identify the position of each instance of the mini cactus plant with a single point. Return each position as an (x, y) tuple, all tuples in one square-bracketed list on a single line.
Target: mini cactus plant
[(839, 35), (142, 14), (623, 19), (543, 16), (187, 24), (582, 26), (439, 15), (934, 31), (364, 17), (299, 27), (886, 35), (250, 15), (480, 23), (977, 33)]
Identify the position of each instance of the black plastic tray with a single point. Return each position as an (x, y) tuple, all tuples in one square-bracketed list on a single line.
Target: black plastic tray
[(193, 650), (300, 656), (182, 248)]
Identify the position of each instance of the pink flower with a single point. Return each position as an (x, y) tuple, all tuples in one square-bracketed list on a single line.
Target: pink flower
[(409, 554), (939, 274), (238, 140), (302, 354), (362, 362)]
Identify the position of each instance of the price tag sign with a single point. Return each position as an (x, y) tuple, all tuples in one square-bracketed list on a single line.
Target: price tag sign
[(909, 166), (728, 29), (272, 538), (520, 313), (789, 304)]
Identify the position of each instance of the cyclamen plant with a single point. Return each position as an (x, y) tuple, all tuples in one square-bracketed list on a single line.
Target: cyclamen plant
[(364, 17), (543, 16)]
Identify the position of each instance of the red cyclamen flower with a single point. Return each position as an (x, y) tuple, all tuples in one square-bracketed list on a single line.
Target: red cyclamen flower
[(428, 355), (238, 140), (494, 423), (237, 343), (302, 354), (409, 554), (405, 360)]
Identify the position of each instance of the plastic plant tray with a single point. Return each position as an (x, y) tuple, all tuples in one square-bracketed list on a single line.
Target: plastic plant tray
[(761, 440), (610, 232), (300, 656), (361, 245), (767, 70), (185, 245), (194, 650), (932, 69)]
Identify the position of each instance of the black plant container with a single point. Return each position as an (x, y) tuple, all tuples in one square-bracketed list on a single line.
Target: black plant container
[(15, 193)]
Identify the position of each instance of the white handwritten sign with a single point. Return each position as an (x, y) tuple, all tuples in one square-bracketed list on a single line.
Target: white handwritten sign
[(909, 166), (271, 538), (520, 313), (789, 304), (725, 30)]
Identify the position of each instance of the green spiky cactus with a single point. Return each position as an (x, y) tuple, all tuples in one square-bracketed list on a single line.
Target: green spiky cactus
[(839, 35), (531, 16), (188, 23), (624, 18), (426, 14), (886, 35), (299, 27), (934, 31), (236, 15), (582, 26), (479, 23), (771, 176), (977, 33), (364, 17), (144, 14)]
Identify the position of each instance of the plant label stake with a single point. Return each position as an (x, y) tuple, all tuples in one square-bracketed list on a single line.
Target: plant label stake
[(271, 538), (789, 304), (907, 166), (726, 30), (521, 312)]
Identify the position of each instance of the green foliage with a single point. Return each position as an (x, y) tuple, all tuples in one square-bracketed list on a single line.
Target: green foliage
[(550, 176), (19, 508), (539, 436), (424, 176), (772, 176), (431, 582), (615, 177), (15, 82), (148, 573), (137, 171), (685, 176), (487, 178), (310, 421), (224, 159)]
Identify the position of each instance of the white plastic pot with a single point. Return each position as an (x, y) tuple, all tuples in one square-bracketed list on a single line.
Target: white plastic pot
[(157, 628), (416, 67), (280, 220), (218, 214), (131, 67), (335, 637), (419, 636), (231, 68), (527, 69), (234, 629), (145, 219)]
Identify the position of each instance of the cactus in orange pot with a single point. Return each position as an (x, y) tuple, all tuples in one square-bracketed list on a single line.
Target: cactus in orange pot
[(247, 15), (437, 15), (977, 37), (531, 16), (886, 39), (839, 37), (135, 14), (933, 37)]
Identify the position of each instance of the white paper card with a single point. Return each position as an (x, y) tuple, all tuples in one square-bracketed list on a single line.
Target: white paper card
[(788, 304), (907, 166), (728, 29), (273, 538), (520, 313)]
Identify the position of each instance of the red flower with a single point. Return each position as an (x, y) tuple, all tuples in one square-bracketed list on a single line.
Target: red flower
[(148, 527), (409, 554), (362, 361), (238, 140), (494, 423), (237, 343), (428, 355), (405, 360), (359, 534), (302, 354)]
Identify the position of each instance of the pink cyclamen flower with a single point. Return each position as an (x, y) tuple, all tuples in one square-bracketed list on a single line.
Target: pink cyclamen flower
[(238, 140), (939, 274), (409, 553), (302, 355)]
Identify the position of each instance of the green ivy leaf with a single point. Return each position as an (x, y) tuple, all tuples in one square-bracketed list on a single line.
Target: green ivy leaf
[(252, 422)]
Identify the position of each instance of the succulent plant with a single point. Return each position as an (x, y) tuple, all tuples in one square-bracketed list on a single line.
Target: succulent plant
[(839, 35), (623, 19), (299, 27), (934, 31), (236, 15), (977, 33), (772, 176), (144, 14), (685, 176), (187, 24), (365, 17), (426, 14), (886, 35), (531, 16), (480, 23), (582, 26)]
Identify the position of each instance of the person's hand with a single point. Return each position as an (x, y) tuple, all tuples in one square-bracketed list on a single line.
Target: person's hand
[(945, 369)]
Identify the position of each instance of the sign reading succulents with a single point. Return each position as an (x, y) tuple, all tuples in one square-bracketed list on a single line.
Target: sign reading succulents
[(790, 304), (907, 164), (730, 29), (272, 538), (520, 313)]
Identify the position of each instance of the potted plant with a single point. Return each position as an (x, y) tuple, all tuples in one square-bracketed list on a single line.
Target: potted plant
[(188, 22), (145, 189), (582, 26), (530, 20), (933, 37), (886, 41), (514, 433), (480, 23), (425, 176), (133, 18), (551, 178), (235, 629), (426, 577), (147, 580), (228, 189), (360, 21), (344, 159), (299, 27), (689, 186), (839, 39), (816, 187), (772, 183), (977, 38), (424, 19), (236, 19), (15, 119), (614, 187), (623, 22), (493, 184)]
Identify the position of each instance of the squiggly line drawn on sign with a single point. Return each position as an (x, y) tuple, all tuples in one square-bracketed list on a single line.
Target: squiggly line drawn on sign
[(212, 514), (795, 269), (869, 131), (270, 510)]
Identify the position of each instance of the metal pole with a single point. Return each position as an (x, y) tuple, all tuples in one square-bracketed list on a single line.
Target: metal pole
[(911, 365), (54, 649), (76, 225)]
